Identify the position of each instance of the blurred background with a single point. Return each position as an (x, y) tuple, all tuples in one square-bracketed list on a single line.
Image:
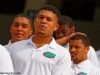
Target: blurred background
[(85, 13)]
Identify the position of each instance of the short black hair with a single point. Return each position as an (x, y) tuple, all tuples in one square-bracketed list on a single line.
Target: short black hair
[(66, 20), (85, 40), (51, 8)]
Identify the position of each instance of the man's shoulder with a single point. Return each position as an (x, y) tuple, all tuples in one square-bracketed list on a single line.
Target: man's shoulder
[(91, 49), (19, 44), (57, 46), (3, 49), (61, 49)]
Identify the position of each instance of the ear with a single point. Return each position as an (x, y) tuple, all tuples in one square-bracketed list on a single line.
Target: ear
[(73, 29), (56, 27), (87, 49), (31, 32), (34, 22)]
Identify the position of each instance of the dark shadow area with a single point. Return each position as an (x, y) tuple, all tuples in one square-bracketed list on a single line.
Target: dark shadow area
[(12, 6), (79, 9)]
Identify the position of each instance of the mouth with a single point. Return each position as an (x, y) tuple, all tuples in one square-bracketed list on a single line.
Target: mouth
[(19, 34), (73, 55), (42, 27)]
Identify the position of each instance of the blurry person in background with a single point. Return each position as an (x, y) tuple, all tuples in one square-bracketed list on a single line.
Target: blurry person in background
[(65, 31), (21, 29), (79, 47)]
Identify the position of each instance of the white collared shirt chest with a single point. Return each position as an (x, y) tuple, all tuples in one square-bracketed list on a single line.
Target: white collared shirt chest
[(86, 68), (91, 55), (28, 60)]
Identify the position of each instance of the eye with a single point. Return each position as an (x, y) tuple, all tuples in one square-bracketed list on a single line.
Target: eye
[(70, 47), (49, 19), (41, 17), (16, 24), (25, 26), (77, 47)]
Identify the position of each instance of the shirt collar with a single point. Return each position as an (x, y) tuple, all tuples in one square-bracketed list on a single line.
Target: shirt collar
[(66, 45), (84, 63), (30, 41), (9, 43), (52, 44)]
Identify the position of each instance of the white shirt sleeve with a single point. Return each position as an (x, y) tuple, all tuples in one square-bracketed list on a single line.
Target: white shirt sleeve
[(93, 57), (6, 65)]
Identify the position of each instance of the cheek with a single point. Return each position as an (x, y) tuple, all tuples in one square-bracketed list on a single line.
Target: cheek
[(28, 32), (59, 34), (13, 31), (50, 29), (80, 54)]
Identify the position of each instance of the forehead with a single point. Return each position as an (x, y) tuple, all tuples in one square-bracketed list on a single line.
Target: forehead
[(46, 13), (76, 42), (21, 19), (64, 28)]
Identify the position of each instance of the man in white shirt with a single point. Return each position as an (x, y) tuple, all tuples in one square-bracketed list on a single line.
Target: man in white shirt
[(81, 65), (6, 66), (21, 29), (41, 55), (64, 33)]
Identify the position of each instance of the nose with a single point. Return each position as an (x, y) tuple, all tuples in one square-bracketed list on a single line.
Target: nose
[(19, 28), (72, 49), (44, 20)]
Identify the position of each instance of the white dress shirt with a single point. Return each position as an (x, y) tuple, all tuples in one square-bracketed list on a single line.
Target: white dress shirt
[(6, 66), (85, 68), (50, 59)]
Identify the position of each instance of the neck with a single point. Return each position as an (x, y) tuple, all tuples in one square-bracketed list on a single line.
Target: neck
[(40, 41), (12, 41), (79, 61)]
